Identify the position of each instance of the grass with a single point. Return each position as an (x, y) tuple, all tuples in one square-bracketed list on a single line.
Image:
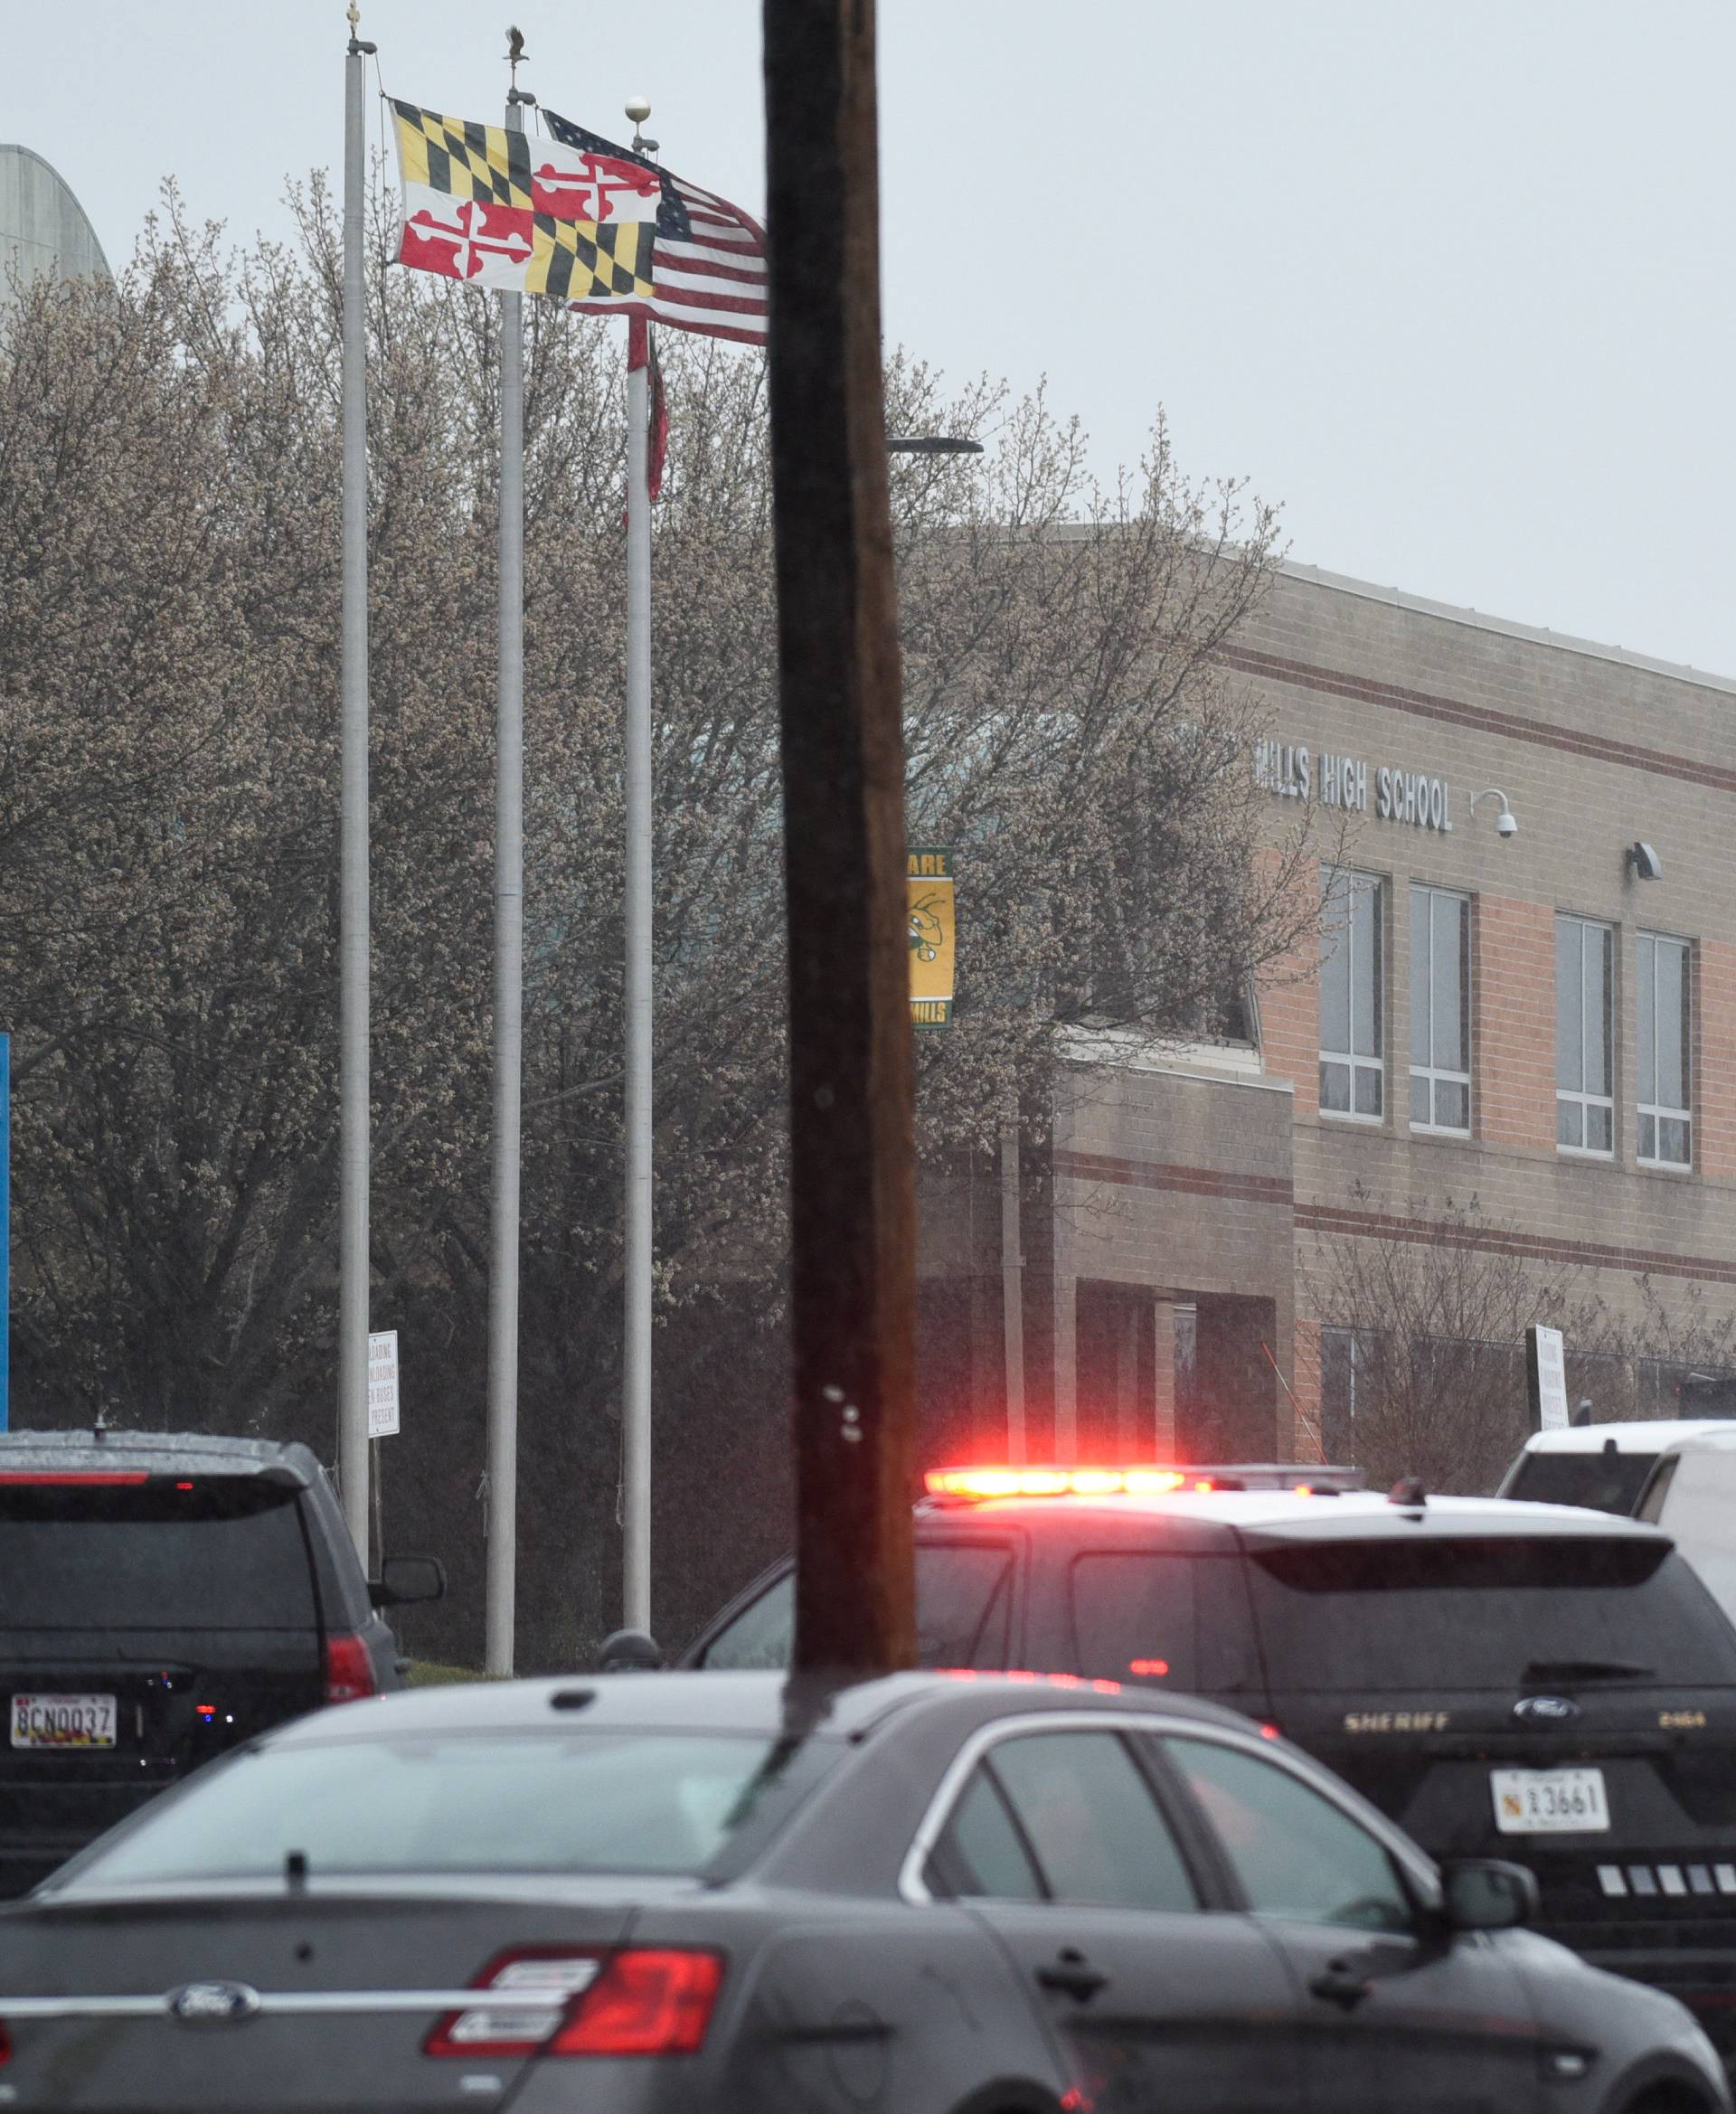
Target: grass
[(435, 1674)]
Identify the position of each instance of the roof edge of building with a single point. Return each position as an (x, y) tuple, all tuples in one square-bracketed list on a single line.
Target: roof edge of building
[(17, 146), (1526, 634)]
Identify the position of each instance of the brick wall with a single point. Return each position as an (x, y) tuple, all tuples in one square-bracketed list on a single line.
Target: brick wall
[(1513, 1021), (1714, 1060)]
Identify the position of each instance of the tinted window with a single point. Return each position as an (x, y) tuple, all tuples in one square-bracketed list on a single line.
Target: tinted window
[(962, 1595), (1164, 1620), (225, 1553), (1606, 1482), (1294, 1852), (981, 1846), (514, 1802), (1089, 1816), (1476, 1614)]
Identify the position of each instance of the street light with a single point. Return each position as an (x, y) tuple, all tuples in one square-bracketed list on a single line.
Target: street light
[(933, 444)]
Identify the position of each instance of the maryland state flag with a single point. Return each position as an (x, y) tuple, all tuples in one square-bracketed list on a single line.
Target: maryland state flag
[(523, 215)]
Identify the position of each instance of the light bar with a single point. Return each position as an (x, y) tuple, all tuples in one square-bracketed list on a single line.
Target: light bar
[(1136, 1482)]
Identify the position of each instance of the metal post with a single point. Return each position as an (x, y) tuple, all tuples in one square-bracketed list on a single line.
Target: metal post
[(509, 935), (1013, 1285), (5, 1232), (352, 835), (853, 1161), (636, 1393)]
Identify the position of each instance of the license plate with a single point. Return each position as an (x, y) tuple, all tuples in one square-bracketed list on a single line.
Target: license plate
[(62, 1721), (1550, 1801)]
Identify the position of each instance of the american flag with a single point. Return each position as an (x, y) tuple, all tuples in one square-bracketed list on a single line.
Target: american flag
[(708, 264)]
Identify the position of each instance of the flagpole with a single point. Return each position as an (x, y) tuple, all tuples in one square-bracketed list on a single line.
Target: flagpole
[(635, 1389), (353, 836), (509, 907)]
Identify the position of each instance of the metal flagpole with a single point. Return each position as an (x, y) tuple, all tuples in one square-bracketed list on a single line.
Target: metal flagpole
[(636, 1394), (509, 923), (352, 835)]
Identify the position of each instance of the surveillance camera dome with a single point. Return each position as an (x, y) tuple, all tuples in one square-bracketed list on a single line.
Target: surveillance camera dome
[(638, 108), (1507, 824)]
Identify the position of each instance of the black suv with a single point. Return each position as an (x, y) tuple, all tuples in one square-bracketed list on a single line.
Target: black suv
[(1524, 1681), (164, 1597)]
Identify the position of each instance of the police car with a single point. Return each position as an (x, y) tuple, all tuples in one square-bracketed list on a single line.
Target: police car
[(1532, 1680)]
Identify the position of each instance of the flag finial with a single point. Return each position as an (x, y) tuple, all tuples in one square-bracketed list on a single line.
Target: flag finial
[(515, 50), (354, 16)]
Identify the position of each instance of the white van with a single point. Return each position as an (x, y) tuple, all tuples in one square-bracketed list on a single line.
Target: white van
[(1680, 1475), (1603, 1466)]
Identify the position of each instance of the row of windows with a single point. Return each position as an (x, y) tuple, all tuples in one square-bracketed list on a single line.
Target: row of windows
[(1353, 1025)]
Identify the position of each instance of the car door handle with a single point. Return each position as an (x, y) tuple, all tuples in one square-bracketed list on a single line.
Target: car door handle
[(1340, 1984), (1073, 1977)]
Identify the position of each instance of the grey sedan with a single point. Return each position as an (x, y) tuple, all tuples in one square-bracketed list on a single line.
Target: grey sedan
[(930, 1894)]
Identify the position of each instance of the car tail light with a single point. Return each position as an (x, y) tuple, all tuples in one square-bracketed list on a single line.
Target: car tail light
[(349, 1670), (648, 2000)]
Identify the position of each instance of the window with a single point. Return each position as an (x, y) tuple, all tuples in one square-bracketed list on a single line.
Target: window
[(1666, 1133), (1440, 1010), (1292, 1851), (1465, 1613), (1164, 1619), (1351, 981), (476, 1801), (1585, 1108), (1094, 1828), (962, 1590), (224, 1552), (982, 1852)]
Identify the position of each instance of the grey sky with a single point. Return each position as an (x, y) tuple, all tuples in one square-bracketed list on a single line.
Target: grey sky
[(1454, 282)]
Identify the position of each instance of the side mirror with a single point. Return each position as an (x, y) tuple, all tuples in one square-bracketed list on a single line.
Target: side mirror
[(629, 1651), (404, 1579), (1486, 1893)]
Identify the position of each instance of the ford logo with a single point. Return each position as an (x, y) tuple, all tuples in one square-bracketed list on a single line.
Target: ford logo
[(215, 2004), (1545, 1710)]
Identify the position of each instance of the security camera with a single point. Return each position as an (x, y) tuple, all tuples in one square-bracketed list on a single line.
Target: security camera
[(1643, 862), (1507, 824)]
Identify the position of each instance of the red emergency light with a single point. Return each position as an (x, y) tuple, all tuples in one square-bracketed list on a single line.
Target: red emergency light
[(1125, 1482)]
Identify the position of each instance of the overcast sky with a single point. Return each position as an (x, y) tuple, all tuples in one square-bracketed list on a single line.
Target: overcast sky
[(1453, 282)]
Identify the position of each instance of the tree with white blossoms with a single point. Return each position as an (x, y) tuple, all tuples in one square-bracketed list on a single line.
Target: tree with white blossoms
[(168, 860)]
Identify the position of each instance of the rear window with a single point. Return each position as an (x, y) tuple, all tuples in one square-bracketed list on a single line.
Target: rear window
[(963, 1590), (1355, 1615), (1606, 1482), (645, 1802), (226, 1553)]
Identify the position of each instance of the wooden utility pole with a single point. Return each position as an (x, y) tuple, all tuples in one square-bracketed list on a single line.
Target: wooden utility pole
[(852, 1136)]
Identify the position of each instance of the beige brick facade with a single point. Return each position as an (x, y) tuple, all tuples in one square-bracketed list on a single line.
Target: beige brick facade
[(1197, 1196)]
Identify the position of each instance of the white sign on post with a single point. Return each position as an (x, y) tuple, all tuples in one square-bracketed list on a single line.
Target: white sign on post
[(382, 1384), (1548, 1377)]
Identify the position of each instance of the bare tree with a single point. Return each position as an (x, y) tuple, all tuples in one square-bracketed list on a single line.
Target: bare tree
[(168, 689)]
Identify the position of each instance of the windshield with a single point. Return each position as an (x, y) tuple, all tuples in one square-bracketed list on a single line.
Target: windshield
[(187, 1553), (549, 1802), (1364, 1615), (1605, 1482)]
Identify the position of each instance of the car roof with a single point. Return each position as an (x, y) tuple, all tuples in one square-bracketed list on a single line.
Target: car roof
[(1637, 1436), (767, 1703), (87, 1450), (1279, 1516)]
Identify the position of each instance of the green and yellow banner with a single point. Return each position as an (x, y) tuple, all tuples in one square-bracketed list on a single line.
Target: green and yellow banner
[(933, 935)]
